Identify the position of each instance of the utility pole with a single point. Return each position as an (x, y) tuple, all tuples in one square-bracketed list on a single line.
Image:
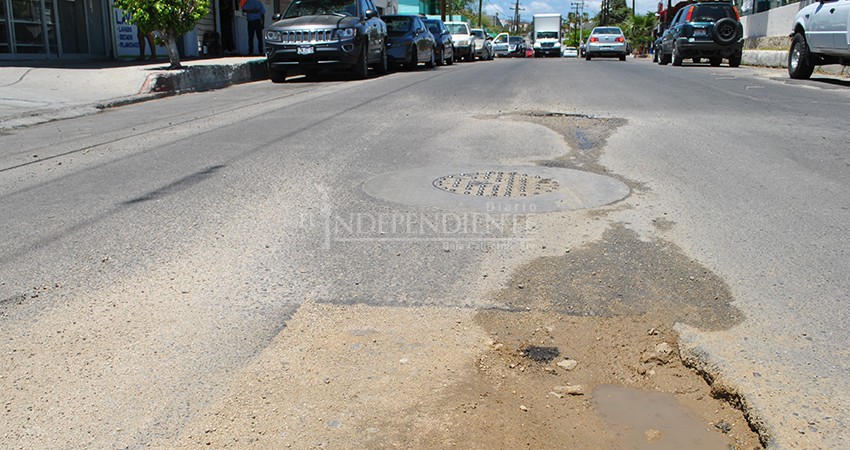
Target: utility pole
[(517, 9), (443, 10), (479, 12), (578, 19)]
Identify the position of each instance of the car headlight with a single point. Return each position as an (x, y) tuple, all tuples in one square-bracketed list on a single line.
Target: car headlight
[(274, 36), (536, 45), (557, 44), (346, 33)]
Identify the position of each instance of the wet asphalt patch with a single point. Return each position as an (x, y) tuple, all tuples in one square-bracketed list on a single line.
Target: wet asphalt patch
[(540, 354), (623, 275)]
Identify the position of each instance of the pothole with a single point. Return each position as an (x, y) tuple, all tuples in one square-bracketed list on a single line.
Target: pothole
[(540, 354), (496, 183)]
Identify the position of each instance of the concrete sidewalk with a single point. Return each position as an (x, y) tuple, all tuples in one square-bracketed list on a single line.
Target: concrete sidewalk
[(42, 91)]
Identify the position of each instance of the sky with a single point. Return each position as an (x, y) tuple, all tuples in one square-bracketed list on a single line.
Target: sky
[(591, 7)]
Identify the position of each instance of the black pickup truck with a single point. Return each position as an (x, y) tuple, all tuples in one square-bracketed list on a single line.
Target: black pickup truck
[(326, 34)]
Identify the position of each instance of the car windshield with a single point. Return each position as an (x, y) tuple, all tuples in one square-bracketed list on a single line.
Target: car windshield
[(458, 28), (478, 33), (397, 25), (609, 30), (340, 8), (433, 27), (547, 35), (516, 40), (712, 13)]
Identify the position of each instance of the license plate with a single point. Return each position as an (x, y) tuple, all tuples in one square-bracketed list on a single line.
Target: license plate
[(606, 47), (306, 50), (699, 32)]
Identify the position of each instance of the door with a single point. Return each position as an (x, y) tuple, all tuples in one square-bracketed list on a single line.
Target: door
[(819, 34), (839, 26)]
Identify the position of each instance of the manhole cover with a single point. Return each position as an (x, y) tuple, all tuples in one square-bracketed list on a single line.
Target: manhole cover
[(496, 184)]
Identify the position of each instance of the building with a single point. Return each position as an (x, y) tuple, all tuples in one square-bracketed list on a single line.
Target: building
[(430, 7), (86, 29)]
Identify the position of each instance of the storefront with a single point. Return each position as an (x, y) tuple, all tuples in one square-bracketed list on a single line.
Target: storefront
[(54, 28)]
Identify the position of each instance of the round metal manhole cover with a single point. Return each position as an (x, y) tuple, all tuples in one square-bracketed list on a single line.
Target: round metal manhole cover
[(496, 184)]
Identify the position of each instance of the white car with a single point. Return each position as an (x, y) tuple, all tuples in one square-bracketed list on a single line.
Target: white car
[(464, 40), (569, 52), (483, 45), (501, 44), (820, 37), (606, 41)]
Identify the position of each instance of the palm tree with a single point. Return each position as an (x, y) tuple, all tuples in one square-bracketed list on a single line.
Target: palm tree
[(638, 30)]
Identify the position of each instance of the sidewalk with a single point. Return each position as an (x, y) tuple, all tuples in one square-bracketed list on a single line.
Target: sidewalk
[(41, 91)]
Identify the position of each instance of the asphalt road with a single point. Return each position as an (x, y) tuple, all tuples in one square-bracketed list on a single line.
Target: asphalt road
[(150, 251)]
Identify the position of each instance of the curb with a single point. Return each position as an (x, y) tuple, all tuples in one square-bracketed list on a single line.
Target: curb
[(765, 58), (203, 77)]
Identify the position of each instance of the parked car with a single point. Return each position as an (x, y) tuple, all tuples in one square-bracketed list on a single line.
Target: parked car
[(483, 45), (820, 37), (569, 52), (500, 44), (464, 40), (517, 47), (606, 41), (581, 49), (704, 30), (529, 51), (333, 34), (409, 42), (443, 45)]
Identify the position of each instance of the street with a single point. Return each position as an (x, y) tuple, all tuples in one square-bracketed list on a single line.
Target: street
[(278, 264)]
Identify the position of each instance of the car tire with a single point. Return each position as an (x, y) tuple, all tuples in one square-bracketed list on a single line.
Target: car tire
[(439, 57), (623, 57), (431, 63), (471, 56), (663, 58), (726, 31), (277, 75), (800, 65), (587, 56), (696, 60), (735, 60), (676, 57), (451, 60), (413, 61), (361, 68), (383, 67), (715, 61), (655, 56)]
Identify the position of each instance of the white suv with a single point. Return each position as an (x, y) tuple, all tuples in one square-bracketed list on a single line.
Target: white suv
[(820, 37), (464, 40)]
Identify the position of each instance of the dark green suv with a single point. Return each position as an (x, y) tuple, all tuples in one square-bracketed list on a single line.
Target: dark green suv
[(709, 30)]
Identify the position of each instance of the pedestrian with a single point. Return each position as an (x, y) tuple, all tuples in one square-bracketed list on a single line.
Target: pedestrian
[(256, 14), (145, 36)]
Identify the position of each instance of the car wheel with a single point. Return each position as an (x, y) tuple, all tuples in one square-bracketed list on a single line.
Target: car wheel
[(451, 59), (277, 75), (471, 56), (361, 67), (413, 61), (726, 31), (715, 61), (383, 66), (623, 57), (439, 57), (800, 66), (431, 62), (696, 60), (663, 58), (677, 58), (587, 56), (735, 60), (655, 56)]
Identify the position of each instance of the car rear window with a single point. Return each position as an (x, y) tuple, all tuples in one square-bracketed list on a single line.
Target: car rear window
[(397, 25), (712, 13), (610, 30), (515, 40), (478, 33)]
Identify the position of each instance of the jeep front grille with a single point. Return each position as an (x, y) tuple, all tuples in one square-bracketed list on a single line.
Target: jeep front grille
[(301, 36)]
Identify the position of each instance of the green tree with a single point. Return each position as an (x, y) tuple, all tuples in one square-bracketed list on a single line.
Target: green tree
[(638, 30), (169, 18), (613, 11)]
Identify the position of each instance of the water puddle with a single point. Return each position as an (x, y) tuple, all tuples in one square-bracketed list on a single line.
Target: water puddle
[(653, 420)]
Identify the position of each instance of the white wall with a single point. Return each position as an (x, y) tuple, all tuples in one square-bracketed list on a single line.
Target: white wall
[(774, 22)]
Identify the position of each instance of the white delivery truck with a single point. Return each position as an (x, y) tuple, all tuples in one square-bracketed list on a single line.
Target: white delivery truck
[(547, 34)]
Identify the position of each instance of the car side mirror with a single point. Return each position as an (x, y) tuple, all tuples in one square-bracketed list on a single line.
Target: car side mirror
[(371, 13), (277, 16)]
